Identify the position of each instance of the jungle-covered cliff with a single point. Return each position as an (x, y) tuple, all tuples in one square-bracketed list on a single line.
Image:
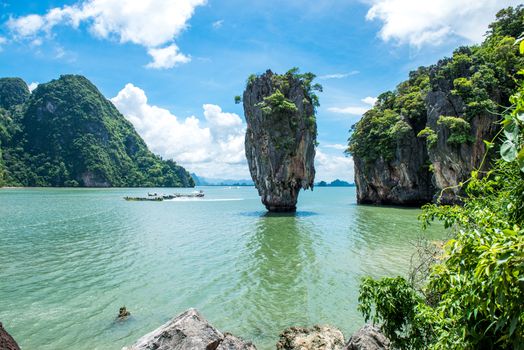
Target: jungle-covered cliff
[(422, 140), (66, 133)]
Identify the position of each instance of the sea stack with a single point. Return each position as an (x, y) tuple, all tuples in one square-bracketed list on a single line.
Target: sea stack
[(281, 136)]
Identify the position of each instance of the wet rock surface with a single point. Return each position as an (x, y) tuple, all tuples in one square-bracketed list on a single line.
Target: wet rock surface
[(280, 138), (6, 341), (313, 338), (189, 331)]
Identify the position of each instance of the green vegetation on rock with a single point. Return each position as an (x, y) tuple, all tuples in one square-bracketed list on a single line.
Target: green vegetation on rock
[(460, 130), (482, 76), (376, 134), (430, 135), (68, 134), (282, 110)]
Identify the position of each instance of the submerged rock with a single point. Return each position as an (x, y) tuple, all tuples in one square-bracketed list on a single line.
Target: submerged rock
[(281, 136), (123, 313), (368, 337), (189, 330), (313, 338), (6, 341)]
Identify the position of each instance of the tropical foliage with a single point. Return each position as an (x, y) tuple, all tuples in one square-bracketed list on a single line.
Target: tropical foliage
[(471, 296)]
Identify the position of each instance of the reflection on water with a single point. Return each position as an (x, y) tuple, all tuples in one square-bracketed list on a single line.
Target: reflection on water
[(278, 264), (267, 214), (70, 258)]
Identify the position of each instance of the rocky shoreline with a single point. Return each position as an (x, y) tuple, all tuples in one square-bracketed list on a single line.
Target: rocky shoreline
[(191, 331)]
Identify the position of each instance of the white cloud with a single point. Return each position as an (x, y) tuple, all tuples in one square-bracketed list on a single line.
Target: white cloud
[(330, 167), (150, 23), (215, 149), (166, 57), (417, 22), (2, 41), (338, 75), (32, 86), (27, 26), (353, 110), (337, 146), (369, 100), (217, 24)]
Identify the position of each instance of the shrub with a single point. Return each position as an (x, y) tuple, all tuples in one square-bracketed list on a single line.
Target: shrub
[(459, 130), (430, 135)]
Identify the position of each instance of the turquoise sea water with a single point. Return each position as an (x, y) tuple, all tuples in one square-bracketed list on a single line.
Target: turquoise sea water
[(69, 258)]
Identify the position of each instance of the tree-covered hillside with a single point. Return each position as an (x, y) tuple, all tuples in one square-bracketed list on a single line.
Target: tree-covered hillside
[(442, 113), (66, 133)]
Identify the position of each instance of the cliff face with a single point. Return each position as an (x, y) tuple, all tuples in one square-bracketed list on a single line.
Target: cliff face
[(403, 179), (66, 133), (453, 163), (420, 142), (406, 178), (280, 138)]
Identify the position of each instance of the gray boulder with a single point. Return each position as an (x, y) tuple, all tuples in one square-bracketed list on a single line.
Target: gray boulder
[(189, 331), (368, 337), (313, 338)]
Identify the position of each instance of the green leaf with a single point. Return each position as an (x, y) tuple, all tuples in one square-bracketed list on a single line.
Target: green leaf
[(521, 47), (508, 151), (512, 131), (521, 117), (503, 258), (515, 320)]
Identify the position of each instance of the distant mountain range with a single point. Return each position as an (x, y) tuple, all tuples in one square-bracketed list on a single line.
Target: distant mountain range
[(335, 183), (206, 181)]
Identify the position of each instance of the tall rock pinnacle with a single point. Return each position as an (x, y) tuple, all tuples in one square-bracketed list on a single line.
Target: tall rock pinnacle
[(281, 136)]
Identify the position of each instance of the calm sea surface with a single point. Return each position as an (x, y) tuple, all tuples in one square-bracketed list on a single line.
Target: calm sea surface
[(69, 258)]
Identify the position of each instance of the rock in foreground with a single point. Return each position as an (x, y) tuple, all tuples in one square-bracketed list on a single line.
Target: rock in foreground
[(368, 337), (314, 338), (6, 341), (189, 331), (281, 136)]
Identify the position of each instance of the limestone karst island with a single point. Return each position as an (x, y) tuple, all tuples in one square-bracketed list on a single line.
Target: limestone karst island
[(272, 175)]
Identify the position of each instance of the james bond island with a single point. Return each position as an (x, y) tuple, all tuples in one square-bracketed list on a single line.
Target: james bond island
[(281, 135)]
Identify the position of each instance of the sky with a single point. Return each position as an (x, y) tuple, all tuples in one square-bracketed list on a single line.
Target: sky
[(173, 67)]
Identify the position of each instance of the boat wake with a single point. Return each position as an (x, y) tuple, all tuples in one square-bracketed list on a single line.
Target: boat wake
[(204, 200)]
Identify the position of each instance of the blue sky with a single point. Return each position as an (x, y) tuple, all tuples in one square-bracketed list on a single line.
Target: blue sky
[(173, 67)]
